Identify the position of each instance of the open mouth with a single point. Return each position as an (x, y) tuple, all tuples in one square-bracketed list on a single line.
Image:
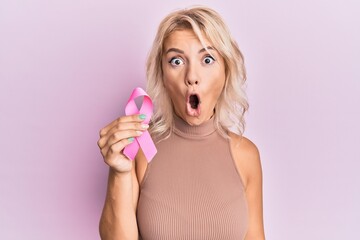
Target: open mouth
[(193, 105), (194, 101)]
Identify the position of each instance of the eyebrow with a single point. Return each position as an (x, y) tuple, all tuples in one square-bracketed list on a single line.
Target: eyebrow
[(205, 49), (175, 50), (182, 52)]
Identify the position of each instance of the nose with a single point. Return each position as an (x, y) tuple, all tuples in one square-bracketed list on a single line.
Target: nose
[(192, 77), (191, 82)]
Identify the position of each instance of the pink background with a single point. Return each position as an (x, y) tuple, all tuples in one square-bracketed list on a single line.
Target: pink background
[(67, 68)]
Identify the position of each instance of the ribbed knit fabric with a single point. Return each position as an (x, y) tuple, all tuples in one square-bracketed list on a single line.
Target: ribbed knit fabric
[(191, 189)]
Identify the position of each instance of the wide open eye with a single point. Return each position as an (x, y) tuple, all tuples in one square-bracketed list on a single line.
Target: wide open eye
[(176, 61), (208, 60)]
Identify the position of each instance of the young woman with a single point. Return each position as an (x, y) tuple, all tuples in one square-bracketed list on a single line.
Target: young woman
[(205, 182)]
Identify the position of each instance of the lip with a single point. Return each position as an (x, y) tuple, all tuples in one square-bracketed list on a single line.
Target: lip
[(191, 111)]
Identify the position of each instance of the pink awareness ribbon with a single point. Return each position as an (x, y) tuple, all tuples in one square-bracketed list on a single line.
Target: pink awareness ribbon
[(144, 141)]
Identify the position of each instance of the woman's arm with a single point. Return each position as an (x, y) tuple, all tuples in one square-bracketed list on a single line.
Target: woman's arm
[(248, 163), (118, 219)]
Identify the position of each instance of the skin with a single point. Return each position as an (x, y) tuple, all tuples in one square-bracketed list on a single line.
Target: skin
[(187, 68)]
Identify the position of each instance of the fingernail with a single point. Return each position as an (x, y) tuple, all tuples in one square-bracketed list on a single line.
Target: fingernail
[(144, 126), (139, 132), (142, 116), (131, 139)]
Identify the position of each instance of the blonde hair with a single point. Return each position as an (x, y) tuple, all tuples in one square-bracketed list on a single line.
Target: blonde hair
[(232, 103)]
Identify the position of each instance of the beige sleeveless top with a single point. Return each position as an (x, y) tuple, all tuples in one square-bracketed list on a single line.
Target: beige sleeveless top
[(192, 189)]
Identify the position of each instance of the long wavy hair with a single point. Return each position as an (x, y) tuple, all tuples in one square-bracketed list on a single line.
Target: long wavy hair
[(232, 103)]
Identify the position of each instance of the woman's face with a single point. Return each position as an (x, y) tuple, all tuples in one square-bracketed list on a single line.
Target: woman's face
[(193, 78)]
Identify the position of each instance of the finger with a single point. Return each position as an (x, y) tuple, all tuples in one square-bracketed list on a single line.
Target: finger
[(135, 126), (116, 149), (120, 136), (123, 119)]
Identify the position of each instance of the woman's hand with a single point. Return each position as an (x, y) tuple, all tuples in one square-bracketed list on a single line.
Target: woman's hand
[(116, 136)]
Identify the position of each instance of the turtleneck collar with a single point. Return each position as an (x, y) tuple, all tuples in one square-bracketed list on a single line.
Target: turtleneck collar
[(182, 128)]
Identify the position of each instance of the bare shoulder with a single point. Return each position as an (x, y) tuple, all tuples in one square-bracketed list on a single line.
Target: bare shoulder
[(246, 156), (243, 146)]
